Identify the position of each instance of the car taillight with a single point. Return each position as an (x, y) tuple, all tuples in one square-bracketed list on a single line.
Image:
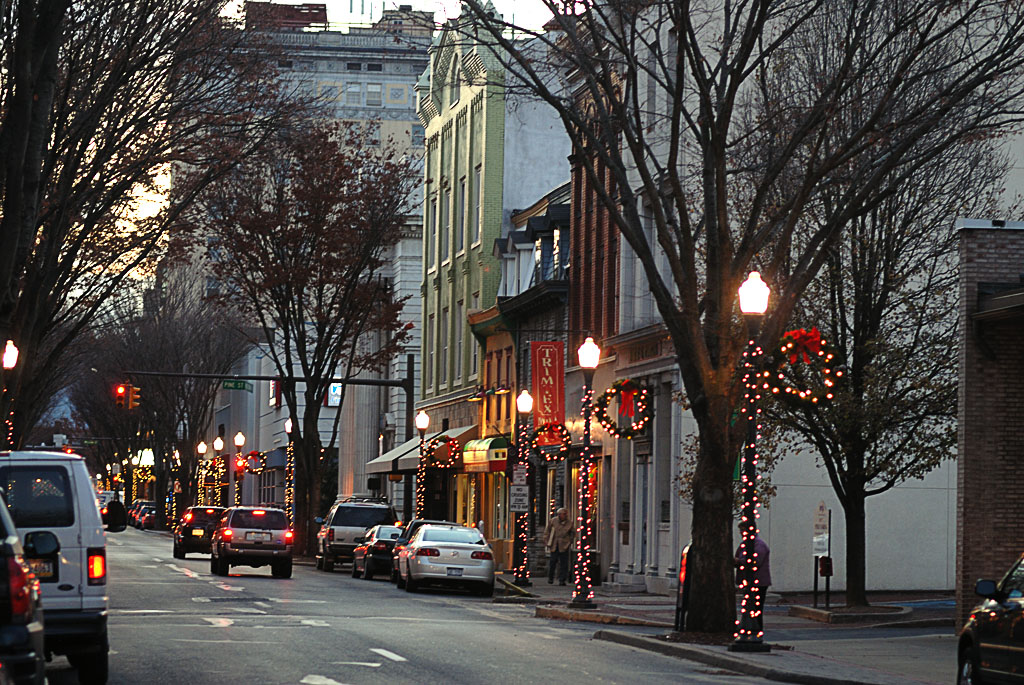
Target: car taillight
[(428, 552), (103, 511), (482, 555), (228, 532), (19, 584), (289, 536), (97, 565), (330, 535), (188, 517), (380, 547)]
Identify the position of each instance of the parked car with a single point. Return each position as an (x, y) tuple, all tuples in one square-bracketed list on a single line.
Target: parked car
[(52, 491), (407, 532), (195, 529), (136, 510), (22, 646), (252, 536), (373, 554), (344, 527), (447, 555), (991, 643), (146, 520)]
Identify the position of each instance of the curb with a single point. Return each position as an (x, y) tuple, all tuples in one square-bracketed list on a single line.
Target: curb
[(596, 617), (826, 616), (720, 660)]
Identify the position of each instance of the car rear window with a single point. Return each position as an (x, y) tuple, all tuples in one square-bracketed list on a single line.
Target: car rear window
[(453, 535), (362, 517), (388, 533), (270, 519), (38, 496), (205, 515)]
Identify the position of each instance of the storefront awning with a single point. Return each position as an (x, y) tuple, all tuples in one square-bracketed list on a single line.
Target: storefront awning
[(406, 457), (482, 456)]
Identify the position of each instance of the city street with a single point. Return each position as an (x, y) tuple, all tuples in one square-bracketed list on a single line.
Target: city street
[(171, 621)]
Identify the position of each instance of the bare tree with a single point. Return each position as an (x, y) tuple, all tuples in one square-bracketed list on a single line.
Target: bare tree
[(299, 234), (684, 106), (100, 103)]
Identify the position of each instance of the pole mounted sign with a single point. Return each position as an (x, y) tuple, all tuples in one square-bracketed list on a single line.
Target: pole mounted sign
[(547, 363), (821, 531)]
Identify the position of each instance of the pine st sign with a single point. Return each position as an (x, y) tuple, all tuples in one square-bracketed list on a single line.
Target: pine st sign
[(547, 364)]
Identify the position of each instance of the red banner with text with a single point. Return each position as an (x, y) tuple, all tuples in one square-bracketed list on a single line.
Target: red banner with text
[(547, 361)]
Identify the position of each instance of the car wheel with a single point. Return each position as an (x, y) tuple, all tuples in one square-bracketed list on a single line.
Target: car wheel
[(281, 569), (967, 668), (328, 563), (225, 566), (93, 667), (178, 554), (214, 566), (355, 569), (410, 584), (319, 563), (367, 569), (399, 582)]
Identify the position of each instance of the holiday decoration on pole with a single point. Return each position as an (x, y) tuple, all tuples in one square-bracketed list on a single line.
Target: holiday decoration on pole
[(554, 428), (430, 451), (422, 423), (634, 409), (583, 587)]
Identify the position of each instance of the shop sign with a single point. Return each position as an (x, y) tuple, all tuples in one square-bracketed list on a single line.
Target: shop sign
[(547, 361)]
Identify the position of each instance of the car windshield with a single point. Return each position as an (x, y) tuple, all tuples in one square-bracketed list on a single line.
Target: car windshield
[(267, 519), (38, 496), (467, 535), (354, 516)]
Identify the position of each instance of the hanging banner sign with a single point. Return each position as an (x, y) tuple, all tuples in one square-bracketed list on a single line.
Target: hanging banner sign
[(547, 361)]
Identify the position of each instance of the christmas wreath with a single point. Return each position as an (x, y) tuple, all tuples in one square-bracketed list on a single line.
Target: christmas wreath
[(634, 408), (553, 428), (260, 460), (430, 451), (815, 382)]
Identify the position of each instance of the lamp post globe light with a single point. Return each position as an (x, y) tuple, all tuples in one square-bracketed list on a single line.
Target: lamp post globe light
[(236, 489), (10, 358), (583, 591), (524, 405), (749, 636), (422, 423)]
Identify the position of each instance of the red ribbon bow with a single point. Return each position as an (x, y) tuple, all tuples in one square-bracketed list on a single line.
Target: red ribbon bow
[(805, 343), (627, 403)]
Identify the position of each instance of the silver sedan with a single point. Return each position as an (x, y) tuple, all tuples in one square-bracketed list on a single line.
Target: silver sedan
[(447, 555)]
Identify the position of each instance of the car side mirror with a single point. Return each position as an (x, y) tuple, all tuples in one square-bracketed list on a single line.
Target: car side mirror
[(986, 588), (319, 520), (116, 518), (41, 543)]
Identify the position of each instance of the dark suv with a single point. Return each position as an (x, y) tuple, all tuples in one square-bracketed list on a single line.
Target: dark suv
[(991, 644), (195, 529), (345, 527), (252, 536)]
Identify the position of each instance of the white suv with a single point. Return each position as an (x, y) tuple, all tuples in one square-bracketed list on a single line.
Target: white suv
[(345, 525), (52, 491)]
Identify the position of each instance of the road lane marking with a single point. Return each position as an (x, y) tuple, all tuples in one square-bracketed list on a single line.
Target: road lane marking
[(387, 654), (368, 664), (315, 623), (223, 642), (223, 586), (262, 604), (220, 622), (279, 600), (318, 680), (181, 569), (248, 610), (142, 611)]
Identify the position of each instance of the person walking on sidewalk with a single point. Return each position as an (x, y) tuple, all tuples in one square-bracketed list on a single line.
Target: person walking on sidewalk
[(558, 537), (760, 579)]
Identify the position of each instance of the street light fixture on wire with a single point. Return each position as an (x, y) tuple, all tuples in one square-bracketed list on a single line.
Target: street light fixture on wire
[(583, 592), (749, 636), (524, 405)]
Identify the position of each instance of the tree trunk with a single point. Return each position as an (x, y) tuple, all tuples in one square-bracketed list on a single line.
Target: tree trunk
[(713, 597), (853, 509)]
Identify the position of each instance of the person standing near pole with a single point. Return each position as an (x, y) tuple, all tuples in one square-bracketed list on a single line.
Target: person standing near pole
[(558, 536), (759, 579)]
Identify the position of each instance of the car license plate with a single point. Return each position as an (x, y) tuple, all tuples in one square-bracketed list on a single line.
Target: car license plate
[(455, 571), (198, 532), (257, 536), (43, 568)]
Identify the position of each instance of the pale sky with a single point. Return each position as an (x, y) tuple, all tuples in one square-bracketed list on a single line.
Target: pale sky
[(528, 13)]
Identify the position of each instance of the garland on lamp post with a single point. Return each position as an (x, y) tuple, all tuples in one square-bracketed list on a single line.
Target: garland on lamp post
[(430, 451), (634, 408), (556, 429)]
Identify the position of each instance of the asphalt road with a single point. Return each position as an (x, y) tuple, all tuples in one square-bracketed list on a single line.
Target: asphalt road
[(171, 621)]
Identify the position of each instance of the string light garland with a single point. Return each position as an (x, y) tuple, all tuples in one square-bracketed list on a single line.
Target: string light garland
[(583, 582), (634, 408), (522, 523), (553, 428), (289, 482), (430, 452), (787, 382)]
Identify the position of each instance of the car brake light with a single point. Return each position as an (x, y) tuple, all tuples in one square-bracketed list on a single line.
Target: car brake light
[(188, 517), (19, 583), (97, 565), (259, 512), (380, 547), (208, 511), (103, 511), (482, 555), (228, 532), (289, 536), (330, 535), (428, 552)]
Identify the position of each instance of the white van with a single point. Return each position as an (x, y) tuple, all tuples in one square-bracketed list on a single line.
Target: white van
[(52, 491)]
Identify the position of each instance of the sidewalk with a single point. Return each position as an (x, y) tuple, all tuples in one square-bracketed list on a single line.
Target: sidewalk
[(915, 644)]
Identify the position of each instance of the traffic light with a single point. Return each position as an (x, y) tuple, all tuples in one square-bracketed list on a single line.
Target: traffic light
[(120, 395), (240, 465), (133, 397)]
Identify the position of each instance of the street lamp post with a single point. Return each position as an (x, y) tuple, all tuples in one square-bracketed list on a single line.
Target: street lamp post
[(749, 635), (235, 487), (10, 360), (583, 593), (289, 474), (218, 446), (201, 449), (524, 405), (422, 423)]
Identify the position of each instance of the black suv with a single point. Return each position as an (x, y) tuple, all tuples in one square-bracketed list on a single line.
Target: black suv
[(991, 644), (345, 527), (195, 530), (252, 536)]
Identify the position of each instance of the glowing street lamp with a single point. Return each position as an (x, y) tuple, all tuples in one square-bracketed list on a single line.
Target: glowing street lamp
[(749, 635), (524, 405), (583, 592), (10, 358), (422, 423)]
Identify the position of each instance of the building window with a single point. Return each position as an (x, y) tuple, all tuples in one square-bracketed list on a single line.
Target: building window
[(474, 304), (430, 230), (446, 227), (442, 373), (374, 67), (353, 94), (474, 205), (355, 66), (428, 369), (453, 84), (460, 213), (374, 95), (458, 330), (417, 135)]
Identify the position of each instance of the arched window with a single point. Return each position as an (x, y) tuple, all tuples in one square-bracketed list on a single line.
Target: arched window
[(453, 83)]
